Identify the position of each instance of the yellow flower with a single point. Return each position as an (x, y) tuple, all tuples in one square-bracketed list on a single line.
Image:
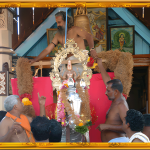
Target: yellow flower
[(58, 93), (66, 85), (94, 65), (81, 124), (26, 101), (88, 120), (88, 59), (62, 123)]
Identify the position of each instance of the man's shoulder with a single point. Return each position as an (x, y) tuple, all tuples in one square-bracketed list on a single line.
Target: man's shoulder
[(57, 34), (122, 103), (6, 121)]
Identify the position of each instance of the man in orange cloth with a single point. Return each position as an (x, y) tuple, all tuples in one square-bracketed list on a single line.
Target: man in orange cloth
[(112, 130), (15, 127)]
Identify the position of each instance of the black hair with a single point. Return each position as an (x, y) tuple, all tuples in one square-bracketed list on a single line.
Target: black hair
[(40, 127), (135, 119), (2, 114), (116, 84), (43, 129), (55, 132), (63, 15), (146, 119)]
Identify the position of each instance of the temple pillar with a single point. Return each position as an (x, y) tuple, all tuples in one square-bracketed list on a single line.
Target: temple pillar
[(6, 52)]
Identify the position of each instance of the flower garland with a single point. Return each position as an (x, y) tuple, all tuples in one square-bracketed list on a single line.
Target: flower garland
[(85, 109), (60, 105), (61, 111), (26, 99), (68, 107), (91, 63), (63, 105), (81, 128)]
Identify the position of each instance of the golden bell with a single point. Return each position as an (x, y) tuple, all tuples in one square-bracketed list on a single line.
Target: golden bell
[(81, 19), (83, 22)]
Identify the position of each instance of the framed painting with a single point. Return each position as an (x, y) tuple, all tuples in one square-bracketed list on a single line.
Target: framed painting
[(50, 35), (98, 26), (122, 38)]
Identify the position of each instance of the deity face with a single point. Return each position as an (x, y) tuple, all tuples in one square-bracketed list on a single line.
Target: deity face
[(122, 36), (69, 66)]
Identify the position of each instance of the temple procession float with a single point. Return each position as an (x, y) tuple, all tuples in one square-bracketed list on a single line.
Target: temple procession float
[(73, 107), (77, 106)]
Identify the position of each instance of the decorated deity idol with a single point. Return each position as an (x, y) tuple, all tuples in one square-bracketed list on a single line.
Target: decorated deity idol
[(70, 73), (73, 107)]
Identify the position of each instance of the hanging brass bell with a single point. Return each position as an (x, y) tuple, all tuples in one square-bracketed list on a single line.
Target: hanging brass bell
[(81, 19)]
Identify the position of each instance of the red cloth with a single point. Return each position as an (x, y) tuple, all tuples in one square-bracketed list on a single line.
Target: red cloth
[(43, 85), (50, 110), (98, 100), (124, 95)]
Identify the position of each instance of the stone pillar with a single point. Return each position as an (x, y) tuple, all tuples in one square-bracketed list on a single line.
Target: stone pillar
[(6, 30)]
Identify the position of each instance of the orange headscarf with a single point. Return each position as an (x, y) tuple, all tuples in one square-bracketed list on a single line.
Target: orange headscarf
[(24, 123)]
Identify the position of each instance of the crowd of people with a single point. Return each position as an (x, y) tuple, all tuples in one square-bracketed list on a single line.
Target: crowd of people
[(17, 127), (122, 124)]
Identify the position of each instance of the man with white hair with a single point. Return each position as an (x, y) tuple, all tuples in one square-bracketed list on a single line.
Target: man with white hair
[(15, 127)]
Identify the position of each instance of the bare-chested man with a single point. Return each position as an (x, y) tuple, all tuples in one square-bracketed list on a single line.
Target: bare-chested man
[(73, 32), (15, 127), (133, 125), (112, 130)]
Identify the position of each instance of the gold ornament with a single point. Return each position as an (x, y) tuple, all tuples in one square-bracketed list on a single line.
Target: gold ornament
[(70, 47), (81, 19)]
